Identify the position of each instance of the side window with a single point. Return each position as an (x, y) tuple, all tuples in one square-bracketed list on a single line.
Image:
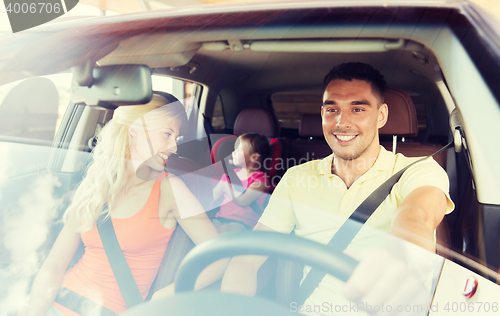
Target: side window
[(218, 115), (182, 90), (185, 92), (31, 111), (291, 105)]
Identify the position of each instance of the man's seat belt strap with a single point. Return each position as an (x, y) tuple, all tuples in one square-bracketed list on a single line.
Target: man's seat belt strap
[(352, 226)]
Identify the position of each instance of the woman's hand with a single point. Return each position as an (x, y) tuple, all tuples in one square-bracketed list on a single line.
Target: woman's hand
[(252, 193)]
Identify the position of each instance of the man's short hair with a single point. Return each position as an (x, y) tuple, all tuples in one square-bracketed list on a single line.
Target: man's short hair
[(358, 71)]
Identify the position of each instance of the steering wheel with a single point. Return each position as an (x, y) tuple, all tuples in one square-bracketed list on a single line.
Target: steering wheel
[(188, 303)]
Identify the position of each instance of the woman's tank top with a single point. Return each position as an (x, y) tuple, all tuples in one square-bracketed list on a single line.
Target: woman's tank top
[(143, 241)]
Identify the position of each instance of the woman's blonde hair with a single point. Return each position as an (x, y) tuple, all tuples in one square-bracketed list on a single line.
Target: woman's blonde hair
[(106, 175)]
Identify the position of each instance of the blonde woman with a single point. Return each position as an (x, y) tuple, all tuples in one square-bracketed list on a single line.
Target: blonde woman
[(144, 203)]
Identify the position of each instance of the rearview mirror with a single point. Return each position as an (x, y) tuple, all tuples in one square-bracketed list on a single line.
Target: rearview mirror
[(115, 85)]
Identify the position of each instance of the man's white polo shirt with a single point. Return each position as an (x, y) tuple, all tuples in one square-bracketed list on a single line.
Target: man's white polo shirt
[(314, 203)]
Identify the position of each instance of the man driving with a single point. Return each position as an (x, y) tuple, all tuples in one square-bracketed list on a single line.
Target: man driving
[(314, 199)]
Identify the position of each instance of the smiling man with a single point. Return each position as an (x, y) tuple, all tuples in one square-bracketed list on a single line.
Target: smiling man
[(352, 113), (314, 199)]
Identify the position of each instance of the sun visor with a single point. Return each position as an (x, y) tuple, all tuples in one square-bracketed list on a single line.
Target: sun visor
[(156, 51), (153, 60), (115, 85)]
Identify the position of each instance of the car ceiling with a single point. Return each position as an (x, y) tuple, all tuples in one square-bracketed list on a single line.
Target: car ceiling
[(173, 41), (174, 46), (260, 71)]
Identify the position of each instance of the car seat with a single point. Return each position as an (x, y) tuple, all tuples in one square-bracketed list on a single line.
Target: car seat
[(256, 120), (30, 110), (196, 180), (192, 174), (402, 122), (311, 145)]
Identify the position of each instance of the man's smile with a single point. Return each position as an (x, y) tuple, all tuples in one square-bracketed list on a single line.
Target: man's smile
[(344, 138)]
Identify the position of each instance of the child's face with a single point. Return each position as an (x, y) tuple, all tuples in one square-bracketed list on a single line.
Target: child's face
[(242, 153)]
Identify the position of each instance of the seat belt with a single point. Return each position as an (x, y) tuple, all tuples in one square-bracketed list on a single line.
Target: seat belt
[(207, 125), (130, 292), (254, 206), (80, 304), (352, 226), (121, 270)]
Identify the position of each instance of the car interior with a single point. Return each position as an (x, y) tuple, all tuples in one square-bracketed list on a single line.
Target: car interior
[(262, 71)]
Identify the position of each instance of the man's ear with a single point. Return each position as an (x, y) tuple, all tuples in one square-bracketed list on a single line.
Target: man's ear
[(132, 132), (383, 115)]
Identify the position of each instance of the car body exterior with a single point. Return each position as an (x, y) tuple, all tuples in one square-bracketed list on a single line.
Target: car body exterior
[(220, 60)]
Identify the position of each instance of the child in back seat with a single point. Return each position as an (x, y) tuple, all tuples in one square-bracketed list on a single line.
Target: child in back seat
[(243, 211)]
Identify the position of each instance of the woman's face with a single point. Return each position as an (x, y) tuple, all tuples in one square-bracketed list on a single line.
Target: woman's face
[(153, 147), (241, 154)]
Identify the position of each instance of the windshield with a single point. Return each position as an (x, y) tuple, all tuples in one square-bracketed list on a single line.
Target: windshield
[(282, 119)]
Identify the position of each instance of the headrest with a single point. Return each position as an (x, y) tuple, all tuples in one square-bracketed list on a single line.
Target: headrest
[(170, 98), (257, 120), (402, 119), (30, 110), (310, 126)]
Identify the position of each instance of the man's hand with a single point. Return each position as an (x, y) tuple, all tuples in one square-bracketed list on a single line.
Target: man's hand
[(394, 281)]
